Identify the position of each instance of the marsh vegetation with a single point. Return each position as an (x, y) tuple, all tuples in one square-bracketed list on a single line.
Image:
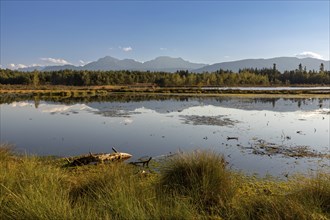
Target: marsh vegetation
[(194, 185)]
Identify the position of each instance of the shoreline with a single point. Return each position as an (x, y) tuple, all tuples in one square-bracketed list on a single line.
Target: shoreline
[(78, 91)]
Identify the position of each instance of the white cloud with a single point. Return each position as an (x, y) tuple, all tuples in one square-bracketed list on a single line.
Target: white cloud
[(47, 61), (310, 54), (54, 61), (82, 63), (163, 48), (127, 49), (18, 66)]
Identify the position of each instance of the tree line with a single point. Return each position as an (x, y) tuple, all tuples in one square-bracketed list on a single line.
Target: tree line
[(249, 76)]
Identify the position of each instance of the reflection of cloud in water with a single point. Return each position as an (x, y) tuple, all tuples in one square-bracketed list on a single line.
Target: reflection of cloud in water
[(54, 109), (127, 121), (143, 110), (207, 110), (20, 104), (325, 111), (309, 114), (47, 108)]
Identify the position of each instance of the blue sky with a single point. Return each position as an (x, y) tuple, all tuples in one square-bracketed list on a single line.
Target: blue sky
[(77, 32)]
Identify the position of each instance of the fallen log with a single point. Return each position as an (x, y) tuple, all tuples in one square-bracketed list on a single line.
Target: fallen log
[(143, 162), (99, 158)]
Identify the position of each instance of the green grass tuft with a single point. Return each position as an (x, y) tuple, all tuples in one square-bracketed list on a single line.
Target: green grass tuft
[(200, 176)]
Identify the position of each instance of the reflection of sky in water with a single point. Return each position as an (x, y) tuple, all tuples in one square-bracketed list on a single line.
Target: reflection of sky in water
[(145, 128)]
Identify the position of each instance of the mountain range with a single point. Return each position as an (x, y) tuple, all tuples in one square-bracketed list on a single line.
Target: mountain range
[(169, 64), (282, 64)]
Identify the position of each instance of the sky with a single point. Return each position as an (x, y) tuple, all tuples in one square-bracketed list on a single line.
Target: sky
[(78, 32)]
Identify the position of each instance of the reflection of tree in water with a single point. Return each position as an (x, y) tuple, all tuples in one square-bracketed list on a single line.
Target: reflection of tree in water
[(36, 101), (275, 104), (10, 98), (320, 103), (267, 100), (299, 103), (184, 99), (248, 100)]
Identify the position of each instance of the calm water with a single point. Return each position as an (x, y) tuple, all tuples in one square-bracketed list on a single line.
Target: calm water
[(156, 127), (323, 88)]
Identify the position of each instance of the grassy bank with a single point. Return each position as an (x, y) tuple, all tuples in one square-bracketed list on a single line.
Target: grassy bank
[(62, 94), (81, 91), (188, 186)]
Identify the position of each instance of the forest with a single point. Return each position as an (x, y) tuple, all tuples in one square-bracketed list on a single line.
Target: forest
[(244, 77)]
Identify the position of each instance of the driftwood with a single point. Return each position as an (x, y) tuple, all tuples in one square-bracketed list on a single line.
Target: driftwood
[(143, 162), (232, 138), (99, 158)]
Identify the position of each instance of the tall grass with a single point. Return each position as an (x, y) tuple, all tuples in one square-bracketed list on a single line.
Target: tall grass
[(299, 198), (189, 186), (200, 176), (313, 192), (29, 190), (34, 188)]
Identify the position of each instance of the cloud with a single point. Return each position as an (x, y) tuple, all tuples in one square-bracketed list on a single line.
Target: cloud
[(127, 49), (163, 48), (54, 61), (47, 61), (82, 63), (17, 66), (310, 54)]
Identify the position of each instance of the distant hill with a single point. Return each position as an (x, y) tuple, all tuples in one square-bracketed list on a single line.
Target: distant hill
[(282, 64), (169, 64), (110, 63), (56, 68), (165, 64)]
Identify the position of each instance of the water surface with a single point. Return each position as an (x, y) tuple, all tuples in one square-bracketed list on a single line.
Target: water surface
[(156, 127)]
